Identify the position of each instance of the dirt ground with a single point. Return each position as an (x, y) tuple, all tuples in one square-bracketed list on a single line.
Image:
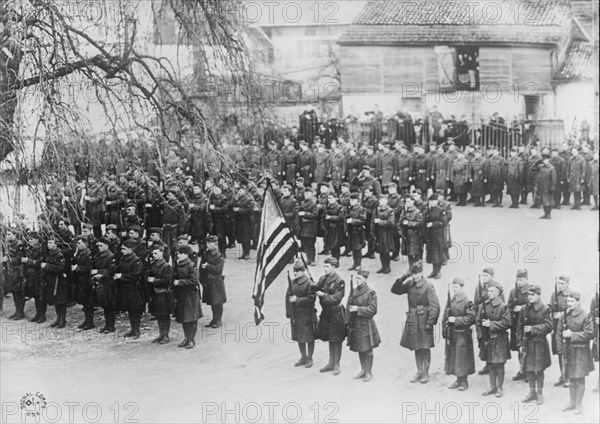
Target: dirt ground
[(241, 373)]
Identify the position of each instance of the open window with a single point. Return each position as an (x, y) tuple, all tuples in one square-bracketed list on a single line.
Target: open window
[(467, 68)]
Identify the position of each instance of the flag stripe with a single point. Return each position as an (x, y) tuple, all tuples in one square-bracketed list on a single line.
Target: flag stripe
[(277, 246)]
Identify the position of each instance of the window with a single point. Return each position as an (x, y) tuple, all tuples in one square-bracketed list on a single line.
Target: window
[(467, 68)]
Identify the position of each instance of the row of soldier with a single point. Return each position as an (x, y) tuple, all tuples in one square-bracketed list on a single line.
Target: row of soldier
[(520, 324)]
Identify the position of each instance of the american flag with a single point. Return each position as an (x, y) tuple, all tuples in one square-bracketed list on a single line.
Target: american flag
[(277, 246)]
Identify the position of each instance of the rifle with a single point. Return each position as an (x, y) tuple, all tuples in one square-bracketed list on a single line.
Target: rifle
[(293, 321), (485, 331), (352, 315), (555, 305), (567, 347), (480, 287), (450, 336)]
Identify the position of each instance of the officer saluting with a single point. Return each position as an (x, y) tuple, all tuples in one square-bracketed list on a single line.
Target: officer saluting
[(423, 314)]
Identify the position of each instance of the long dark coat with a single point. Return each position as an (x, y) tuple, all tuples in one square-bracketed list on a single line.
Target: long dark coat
[(558, 303), (383, 231), (441, 168), (307, 223), (545, 185), (306, 164), (577, 353), (479, 177), (593, 177), (302, 313), (387, 167), (289, 208), (460, 356), (93, 207), (519, 299), (82, 277), (332, 325), (410, 227), (362, 330), (161, 301), (337, 168), (212, 279), (496, 349), (356, 218), (116, 197), (515, 175), (560, 166), (31, 271), (103, 283), (243, 218), (460, 175), (53, 277), (405, 165), (187, 292), (321, 166), (129, 296), (496, 173), (423, 310), (199, 218), (335, 235), (421, 172), (535, 344), (576, 173), (220, 214), (14, 272), (437, 248)]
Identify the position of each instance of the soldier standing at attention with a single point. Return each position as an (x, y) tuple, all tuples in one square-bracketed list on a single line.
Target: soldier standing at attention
[(558, 304), (160, 278), (355, 221), (128, 274), (577, 330), (517, 299), (103, 270), (493, 320), (212, 280), (535, 323), (363, 336), (307, 227), (459, 317), (187, 308), (332, 326), (382, 228), (423, 314), (300, 309)]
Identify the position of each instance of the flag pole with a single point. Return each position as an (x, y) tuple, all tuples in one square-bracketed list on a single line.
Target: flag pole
[(269, 187)]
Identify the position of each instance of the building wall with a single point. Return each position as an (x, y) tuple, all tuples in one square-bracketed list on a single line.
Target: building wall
[(575, 101)]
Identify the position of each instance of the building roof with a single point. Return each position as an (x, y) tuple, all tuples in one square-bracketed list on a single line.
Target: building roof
[(578, 63), (485, 21)]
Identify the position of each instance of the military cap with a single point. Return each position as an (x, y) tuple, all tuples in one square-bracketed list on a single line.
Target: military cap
[(154, 230), (488, 270), (129, 243), (434, 196), (394, 185), (383, 196), (212, 239), (112, 177), (323, 185), (111, 227), (565, 278), (86, 226), (183, 237), (82, 238), (522, 273), (545, 156), (363, 273), (346, 184), (535, 288), (104, 240), (286, 187), (332, 261), (496, 285), (158, 247), (514, 149), (66, 221), (416, 268), (459, 281), (299, 265), (130, 205), (33, 235), (272, 143), (303, 143), (300, 179), (575, 295), (186, 250), (309, 190), (366, 168), (354, 196)]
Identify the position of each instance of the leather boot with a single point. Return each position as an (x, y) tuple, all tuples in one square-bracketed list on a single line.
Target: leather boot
[(85, 321), (63, 316), (426, 361), (329, 366), (337, 358), (493, 387), (419, 361), (137, 321), (369, 367), (89, 317), (131, 331), (42, 308), (160, 332), (579, 397), (361, 374), (19, 300), (572, 397), (57, 320), (36, 317), (166, 328)]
